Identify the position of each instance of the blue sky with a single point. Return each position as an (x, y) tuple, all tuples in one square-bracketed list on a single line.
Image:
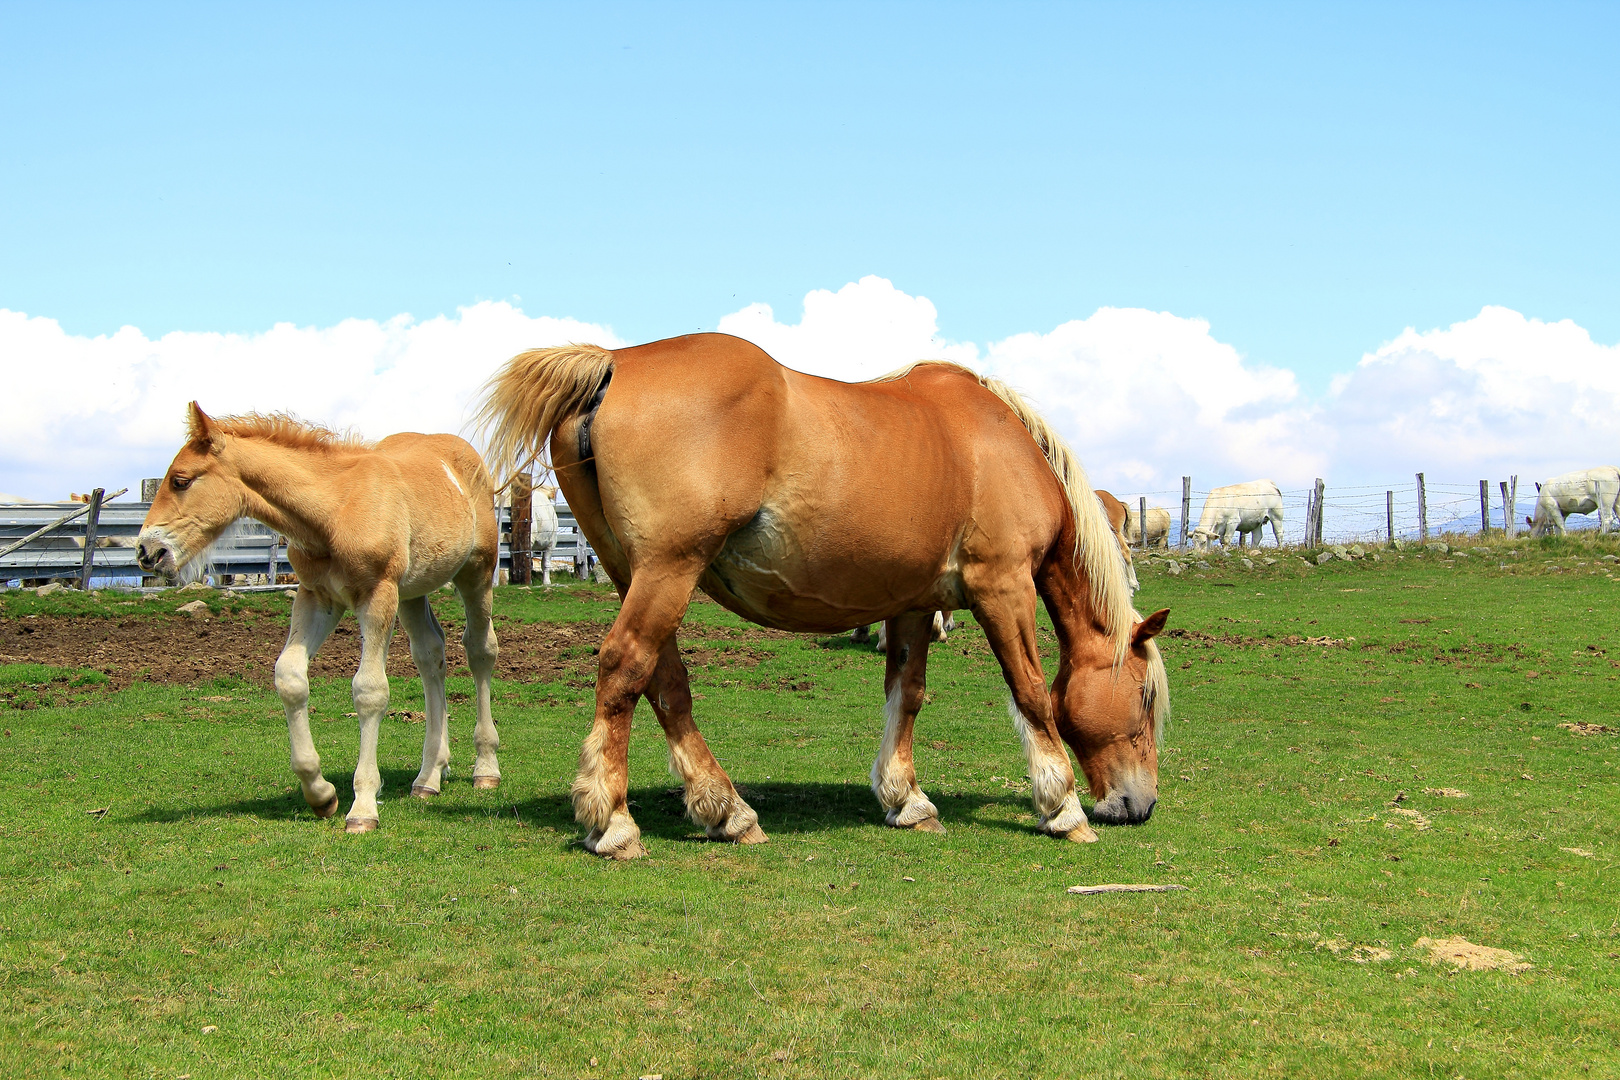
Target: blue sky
[(1310, 179)]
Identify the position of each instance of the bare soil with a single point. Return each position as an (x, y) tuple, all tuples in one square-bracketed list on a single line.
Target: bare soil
[(185, 650)]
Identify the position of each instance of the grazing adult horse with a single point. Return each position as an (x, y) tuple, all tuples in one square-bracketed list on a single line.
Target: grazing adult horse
[(700, 461), (373, 527)]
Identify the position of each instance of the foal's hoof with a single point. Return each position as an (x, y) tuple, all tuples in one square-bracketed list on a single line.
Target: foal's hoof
[(422, 791), (754, 835), (359, 825), (618, 842), (927, 825), (327, 808), (486, 783), (1081, 834)]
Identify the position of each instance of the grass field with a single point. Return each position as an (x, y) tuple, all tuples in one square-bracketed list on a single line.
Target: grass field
[(205, 924)]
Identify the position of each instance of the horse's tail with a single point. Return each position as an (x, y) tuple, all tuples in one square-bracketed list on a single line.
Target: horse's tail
[(530, 395)]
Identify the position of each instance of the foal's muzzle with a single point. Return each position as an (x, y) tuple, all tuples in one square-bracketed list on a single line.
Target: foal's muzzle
[(1122, 809), (154, 557)]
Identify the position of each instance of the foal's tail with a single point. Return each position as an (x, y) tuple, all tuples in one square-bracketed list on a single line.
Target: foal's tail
[(527, 398)]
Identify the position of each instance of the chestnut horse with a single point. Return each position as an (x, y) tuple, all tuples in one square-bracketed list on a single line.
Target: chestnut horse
[(376, 528), (700, 461)]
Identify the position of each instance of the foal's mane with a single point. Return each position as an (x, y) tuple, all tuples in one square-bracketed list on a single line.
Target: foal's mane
[(284, 429)]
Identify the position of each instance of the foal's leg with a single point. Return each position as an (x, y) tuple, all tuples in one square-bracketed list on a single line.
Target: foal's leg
[(376, 615), (427, 649), (711, 799), (478, 598), (1007, 611), (894, 777), (312, 621), (653, 607)]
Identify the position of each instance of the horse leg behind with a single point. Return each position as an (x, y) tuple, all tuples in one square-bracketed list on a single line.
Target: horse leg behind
[(477, 590), (376, 613), (427, 650), (312, 621), (894, 775), (711, 799), (1007, 611)]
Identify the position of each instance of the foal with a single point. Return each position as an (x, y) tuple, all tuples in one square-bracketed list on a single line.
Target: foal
[(373, 527)]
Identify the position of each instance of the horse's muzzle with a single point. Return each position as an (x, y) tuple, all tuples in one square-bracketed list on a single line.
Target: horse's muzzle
[(152, 556), (1121, 809)]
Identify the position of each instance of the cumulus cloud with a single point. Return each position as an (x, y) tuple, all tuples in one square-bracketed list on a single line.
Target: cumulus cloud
[(109, 410), (1494, 395), (1145, 397)]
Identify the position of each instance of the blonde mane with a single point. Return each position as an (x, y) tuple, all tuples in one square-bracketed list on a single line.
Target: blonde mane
[(283, 429), (1095, 544)]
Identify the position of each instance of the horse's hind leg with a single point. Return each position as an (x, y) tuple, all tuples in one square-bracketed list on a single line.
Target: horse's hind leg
[(312, 621), (653, 607), (711, 798), (1008, 614), (894, 775), (427, 649), (478, 598)]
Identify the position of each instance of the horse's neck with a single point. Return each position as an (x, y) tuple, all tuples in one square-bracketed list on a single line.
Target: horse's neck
[(290, 490)]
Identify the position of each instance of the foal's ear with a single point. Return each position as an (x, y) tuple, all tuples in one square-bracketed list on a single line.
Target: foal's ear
[(1150, 627), (202, 429)]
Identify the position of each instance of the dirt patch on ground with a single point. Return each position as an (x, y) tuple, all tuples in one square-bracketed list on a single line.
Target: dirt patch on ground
[(1462, 953), (1582, 728), (186, 650), (1198, 637)]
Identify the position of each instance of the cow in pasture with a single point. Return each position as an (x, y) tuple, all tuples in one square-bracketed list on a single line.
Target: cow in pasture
[(1117, 514), (1158, 526), (1240, 508), (1582, 492)]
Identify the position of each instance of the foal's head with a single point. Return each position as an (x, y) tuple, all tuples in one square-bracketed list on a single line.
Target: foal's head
[(1112, 717), (200, 497)]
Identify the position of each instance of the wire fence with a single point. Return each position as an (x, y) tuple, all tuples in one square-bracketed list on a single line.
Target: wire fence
[(1365, 513)]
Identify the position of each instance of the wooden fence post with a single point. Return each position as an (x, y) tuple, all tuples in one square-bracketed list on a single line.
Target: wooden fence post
[(522, 529), (1484, 507), (1423, 510), (1186, 508), (1310, 516), (1389, 515), (149, 488), (90, 537), (1513, 502), (1320, 491), (1507, 515), (1141, 521), (270, 571)]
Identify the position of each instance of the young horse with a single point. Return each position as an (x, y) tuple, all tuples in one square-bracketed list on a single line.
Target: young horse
[(700, 461), (376, 528)]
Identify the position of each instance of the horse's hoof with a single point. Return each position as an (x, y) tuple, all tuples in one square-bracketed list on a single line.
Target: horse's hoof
[(327, 808), (422, 791), (1081, 834), (754, 835), (928, 825), (357, 825), (486, 783)]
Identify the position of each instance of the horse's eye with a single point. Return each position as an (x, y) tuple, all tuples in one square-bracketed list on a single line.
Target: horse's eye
[(181, 482)]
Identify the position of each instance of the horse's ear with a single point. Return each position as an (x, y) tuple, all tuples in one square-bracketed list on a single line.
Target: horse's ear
[(201, 428), (1529, 521), (1150, 627), (1538, 487)]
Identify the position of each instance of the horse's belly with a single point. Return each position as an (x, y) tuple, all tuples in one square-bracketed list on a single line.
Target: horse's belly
[(433, 564), (766, 575)]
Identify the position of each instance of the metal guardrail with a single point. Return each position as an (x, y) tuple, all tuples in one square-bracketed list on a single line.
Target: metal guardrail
[(246, 549)]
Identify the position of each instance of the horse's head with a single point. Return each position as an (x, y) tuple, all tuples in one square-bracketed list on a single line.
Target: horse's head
[(199, 498), (1112, 718)]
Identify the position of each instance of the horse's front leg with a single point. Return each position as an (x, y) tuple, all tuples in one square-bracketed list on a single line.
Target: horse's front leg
[(711, 799), (427, 650), (894, 774), (312, 621), (376, 614)]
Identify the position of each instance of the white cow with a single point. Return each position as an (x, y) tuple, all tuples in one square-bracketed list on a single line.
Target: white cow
[(943, 624), (543, 528), (1158, 526), (1240, 508), (1579, 492)]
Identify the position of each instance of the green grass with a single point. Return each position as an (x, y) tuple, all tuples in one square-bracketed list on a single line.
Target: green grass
[(472, 936)]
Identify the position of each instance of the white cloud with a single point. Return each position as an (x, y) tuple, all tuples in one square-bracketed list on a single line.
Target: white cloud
[(109, 410), (1493, 395), (1145, 397)]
